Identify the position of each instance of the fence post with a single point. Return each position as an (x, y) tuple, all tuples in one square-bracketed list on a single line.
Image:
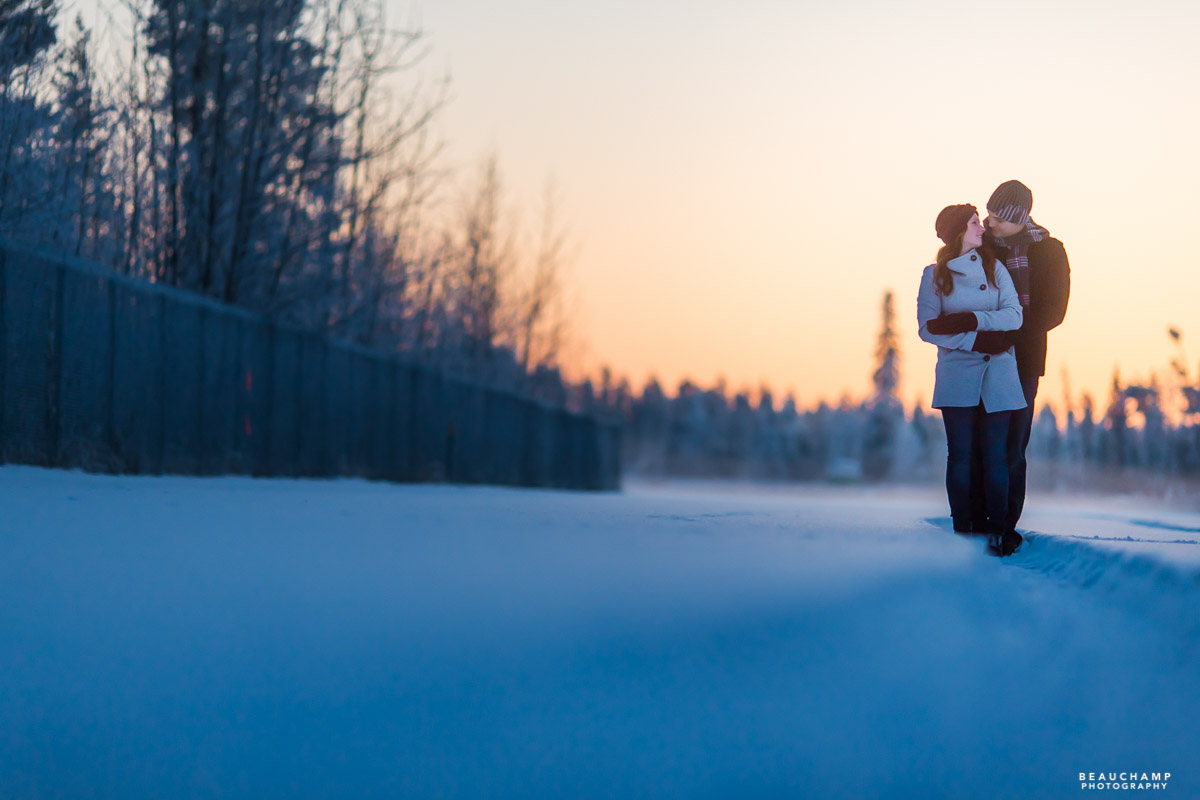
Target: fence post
[(54, 361), (111, 416), (162, 383), (264, 466), (235, 460), (403, 444), (416, 464), (324, 457), (298, 394), (198, 464), (3, 349)]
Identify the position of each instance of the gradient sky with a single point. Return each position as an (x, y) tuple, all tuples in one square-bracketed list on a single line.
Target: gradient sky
[(744, 181)]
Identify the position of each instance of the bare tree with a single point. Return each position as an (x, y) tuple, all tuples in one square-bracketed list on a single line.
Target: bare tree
[(542, 322), (79, 117), (484, 267), (280, 156)]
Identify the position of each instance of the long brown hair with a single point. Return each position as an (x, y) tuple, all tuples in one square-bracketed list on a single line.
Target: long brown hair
[(943, 281)]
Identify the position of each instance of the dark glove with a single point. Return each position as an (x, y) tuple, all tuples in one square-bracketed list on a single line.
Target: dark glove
[(992, 342), (961, 322)]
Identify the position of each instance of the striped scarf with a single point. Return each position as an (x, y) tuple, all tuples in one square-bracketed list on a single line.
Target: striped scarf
[(1017, 259)]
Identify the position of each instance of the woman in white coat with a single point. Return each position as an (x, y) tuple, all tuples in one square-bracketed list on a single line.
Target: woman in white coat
[(965, 304)]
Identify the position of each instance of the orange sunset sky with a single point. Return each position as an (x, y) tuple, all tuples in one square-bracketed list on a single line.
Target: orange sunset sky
[(744, 181)]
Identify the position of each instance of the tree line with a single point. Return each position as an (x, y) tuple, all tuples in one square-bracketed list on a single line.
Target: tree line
[(1147, 432), (281, 156), (1146, 435)]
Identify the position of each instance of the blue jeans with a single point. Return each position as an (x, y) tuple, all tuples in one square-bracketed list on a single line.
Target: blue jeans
[(971, 433), (1019, 429)]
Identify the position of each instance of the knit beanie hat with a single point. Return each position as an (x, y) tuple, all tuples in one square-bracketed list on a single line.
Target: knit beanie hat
[(1012, 201), (953, 221)]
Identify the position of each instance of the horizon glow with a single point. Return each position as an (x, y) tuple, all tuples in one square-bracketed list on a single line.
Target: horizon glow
[(745, 183)]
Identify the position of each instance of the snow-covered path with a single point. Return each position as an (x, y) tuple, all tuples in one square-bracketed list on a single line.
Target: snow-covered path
[(172, 637)]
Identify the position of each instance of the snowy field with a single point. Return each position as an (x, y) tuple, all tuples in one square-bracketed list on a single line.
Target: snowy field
[(179, 638)]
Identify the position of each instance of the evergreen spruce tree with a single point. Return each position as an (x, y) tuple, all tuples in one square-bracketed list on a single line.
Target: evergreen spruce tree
[(884, 411), (1114, 447)]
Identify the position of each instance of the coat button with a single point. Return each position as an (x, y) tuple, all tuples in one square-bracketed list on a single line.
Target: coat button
[(982, 287), (973, 258), (987, 358)]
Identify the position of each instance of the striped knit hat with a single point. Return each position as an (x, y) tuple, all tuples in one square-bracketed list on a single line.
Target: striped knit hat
[(1012, 201)]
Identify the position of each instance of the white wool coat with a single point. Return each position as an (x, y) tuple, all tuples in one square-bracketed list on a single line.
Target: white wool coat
[(964, 377)]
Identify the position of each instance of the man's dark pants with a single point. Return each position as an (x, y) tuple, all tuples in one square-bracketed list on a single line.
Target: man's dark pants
[(1018, 440), (1019, 428)]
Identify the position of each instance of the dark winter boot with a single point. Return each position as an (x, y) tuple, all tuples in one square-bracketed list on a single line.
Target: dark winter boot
[(995, 542), (1011, 542)]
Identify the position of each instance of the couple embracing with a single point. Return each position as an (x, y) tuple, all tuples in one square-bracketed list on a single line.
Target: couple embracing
[(995, 290)]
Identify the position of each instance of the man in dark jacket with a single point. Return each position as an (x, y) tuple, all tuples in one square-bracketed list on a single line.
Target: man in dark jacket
[(1037, 263)]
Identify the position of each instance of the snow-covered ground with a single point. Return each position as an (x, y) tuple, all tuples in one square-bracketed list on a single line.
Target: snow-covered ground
[(175, 638)]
